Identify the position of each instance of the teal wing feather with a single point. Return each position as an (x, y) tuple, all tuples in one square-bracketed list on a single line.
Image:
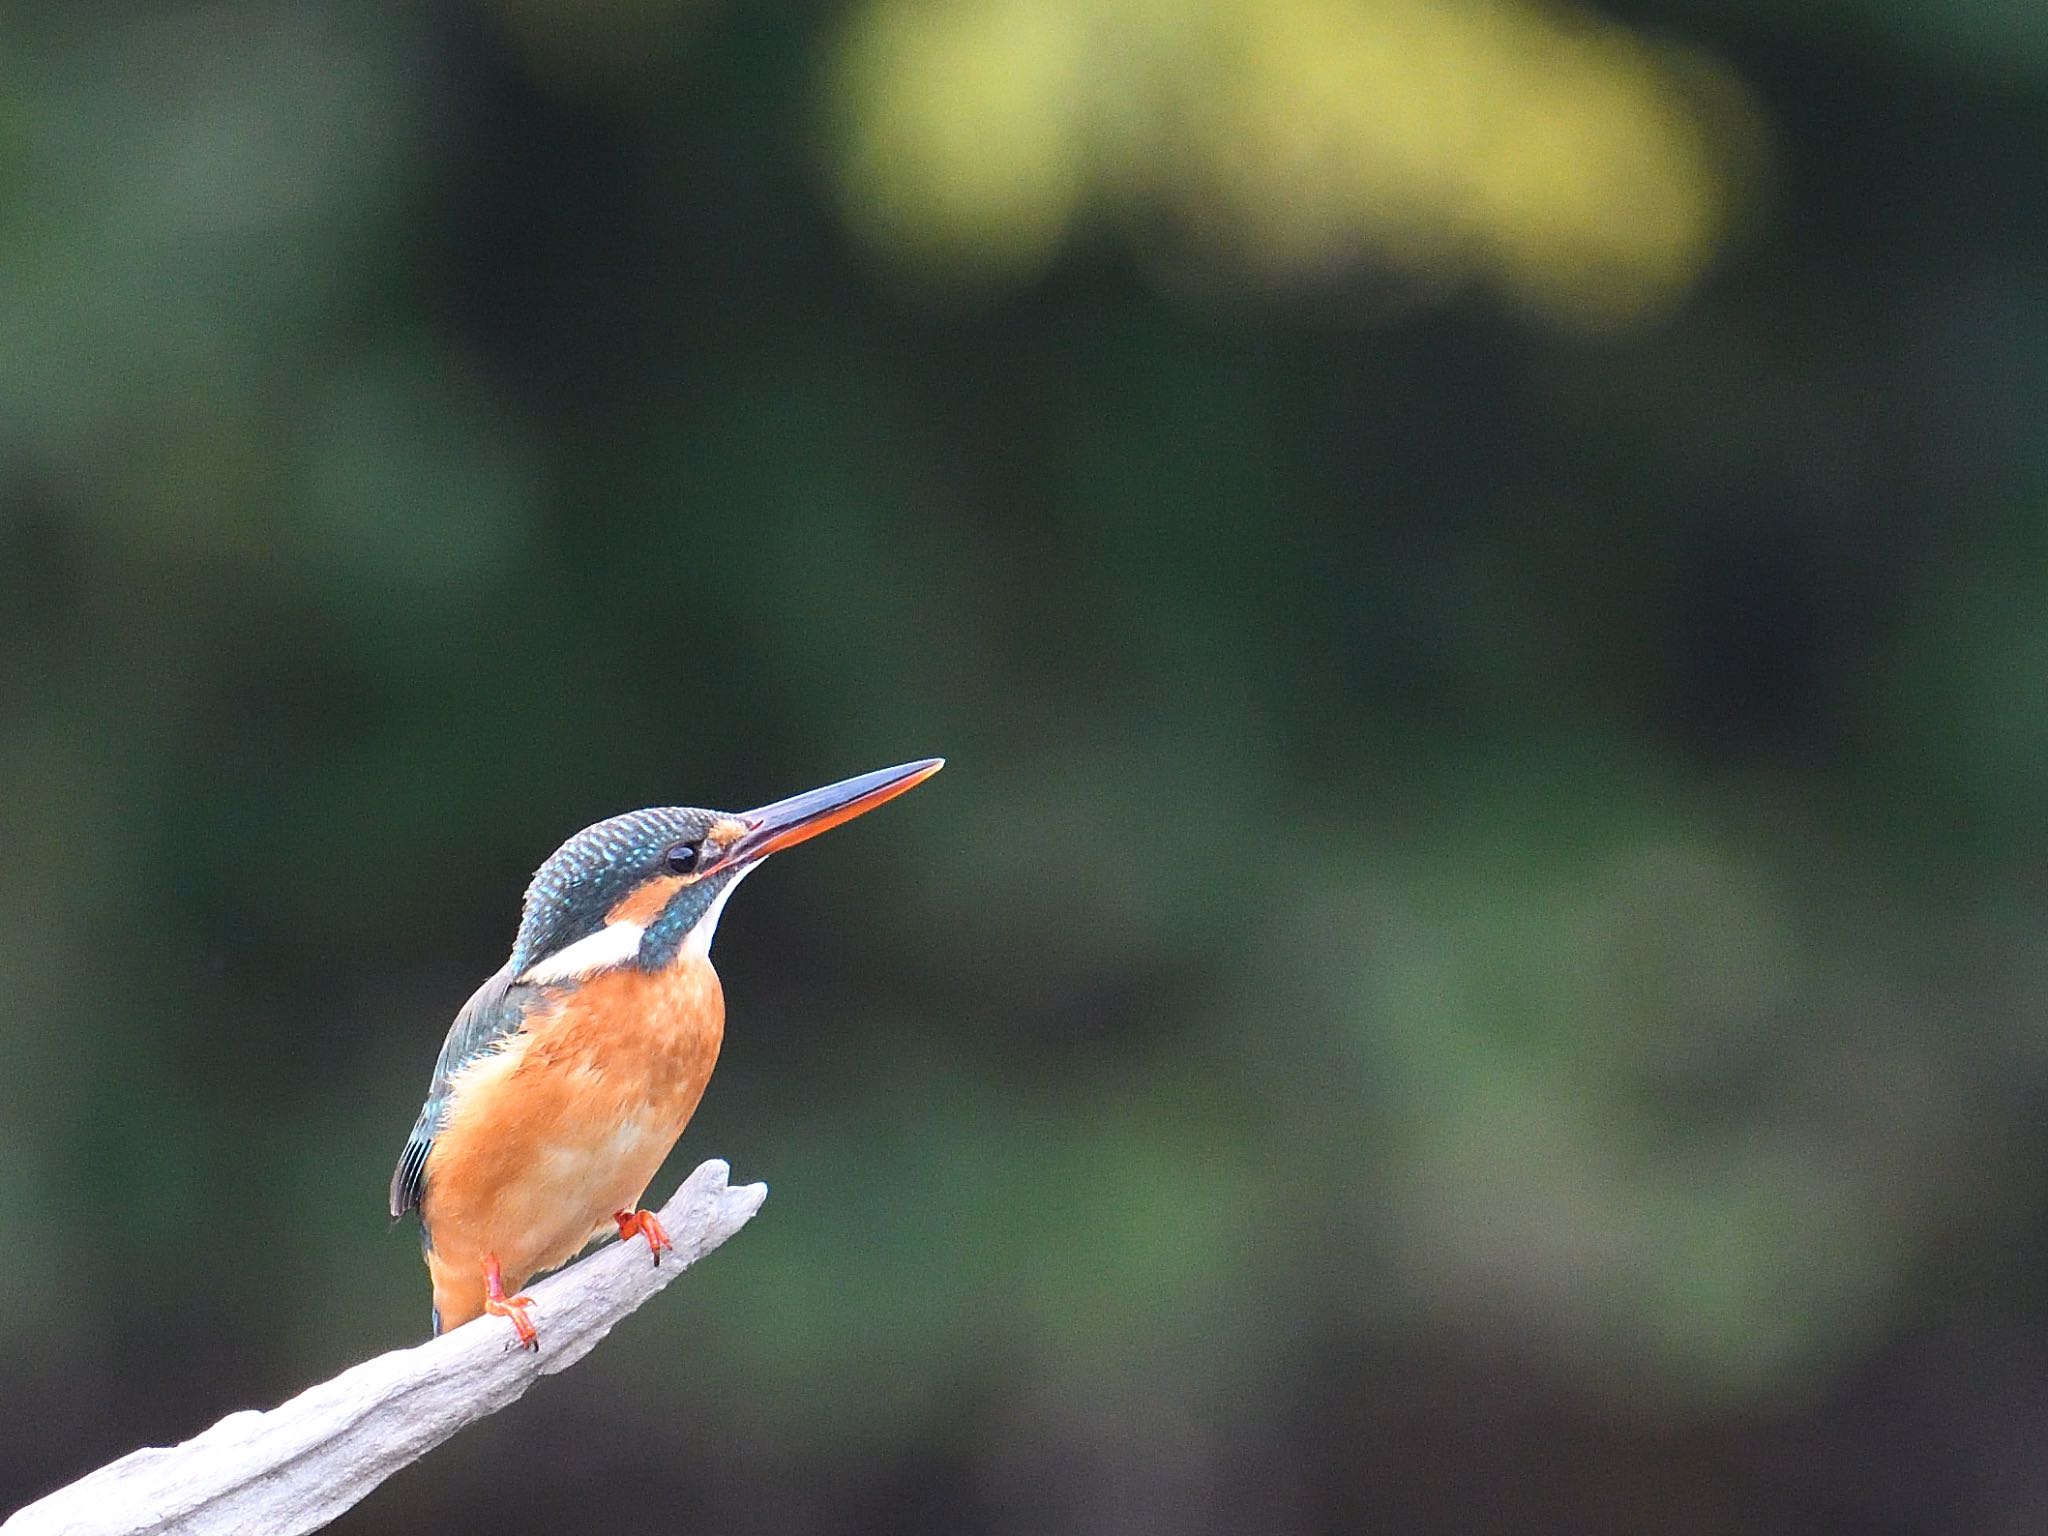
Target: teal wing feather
[(497, 1009)]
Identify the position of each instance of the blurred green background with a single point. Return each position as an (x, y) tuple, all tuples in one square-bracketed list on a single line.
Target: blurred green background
[(1483, 571)]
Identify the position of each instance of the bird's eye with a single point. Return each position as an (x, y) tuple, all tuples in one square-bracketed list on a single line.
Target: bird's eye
[(682, 858)]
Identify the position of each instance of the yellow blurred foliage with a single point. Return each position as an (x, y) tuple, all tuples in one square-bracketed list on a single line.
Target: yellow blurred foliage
[(966, 141), (1589, 174)]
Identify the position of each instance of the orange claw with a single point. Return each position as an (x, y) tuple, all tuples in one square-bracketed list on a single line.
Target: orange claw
[(511, 1308), (647, 1225)]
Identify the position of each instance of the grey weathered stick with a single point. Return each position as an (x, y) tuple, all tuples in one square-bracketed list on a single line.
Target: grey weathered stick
[(301, 1464)]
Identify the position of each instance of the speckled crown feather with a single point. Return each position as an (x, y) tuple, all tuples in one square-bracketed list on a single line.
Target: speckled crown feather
[(589, 874)]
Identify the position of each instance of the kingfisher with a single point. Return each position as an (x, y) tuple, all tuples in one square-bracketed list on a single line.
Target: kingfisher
[(569, 1075)]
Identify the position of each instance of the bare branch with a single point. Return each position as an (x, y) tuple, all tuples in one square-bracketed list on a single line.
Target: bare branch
[(300, 1465)]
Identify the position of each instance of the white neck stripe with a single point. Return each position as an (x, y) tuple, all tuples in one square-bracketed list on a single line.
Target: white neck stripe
[(617, 943), (613, 944)]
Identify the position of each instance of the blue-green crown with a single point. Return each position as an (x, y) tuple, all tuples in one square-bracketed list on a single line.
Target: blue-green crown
[(596, 869)]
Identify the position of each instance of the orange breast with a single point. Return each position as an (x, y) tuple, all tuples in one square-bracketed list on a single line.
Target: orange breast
[(566, 1123)]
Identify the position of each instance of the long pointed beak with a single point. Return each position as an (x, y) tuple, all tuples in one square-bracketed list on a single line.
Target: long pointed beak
[(788, 822)]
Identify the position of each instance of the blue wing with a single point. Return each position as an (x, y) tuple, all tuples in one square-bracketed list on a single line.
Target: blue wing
[(497, 1009)]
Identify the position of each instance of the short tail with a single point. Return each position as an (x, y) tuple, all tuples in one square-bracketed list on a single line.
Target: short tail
[(458, 1292)]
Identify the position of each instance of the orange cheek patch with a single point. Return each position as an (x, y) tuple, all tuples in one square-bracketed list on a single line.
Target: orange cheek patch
[(643, 904)]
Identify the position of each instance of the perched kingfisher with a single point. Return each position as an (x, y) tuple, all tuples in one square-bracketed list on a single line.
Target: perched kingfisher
[(569, 1075)]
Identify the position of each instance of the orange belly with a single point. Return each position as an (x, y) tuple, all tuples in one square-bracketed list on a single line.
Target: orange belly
[(564, 1124)]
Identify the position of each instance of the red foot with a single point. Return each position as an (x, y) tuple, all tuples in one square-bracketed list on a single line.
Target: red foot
[(511, 1308), (647, 1225)]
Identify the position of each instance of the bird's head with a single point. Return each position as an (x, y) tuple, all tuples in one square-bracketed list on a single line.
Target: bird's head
[(648, 886)]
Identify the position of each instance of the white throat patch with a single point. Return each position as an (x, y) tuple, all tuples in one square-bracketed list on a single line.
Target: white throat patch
[(697, 942)]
